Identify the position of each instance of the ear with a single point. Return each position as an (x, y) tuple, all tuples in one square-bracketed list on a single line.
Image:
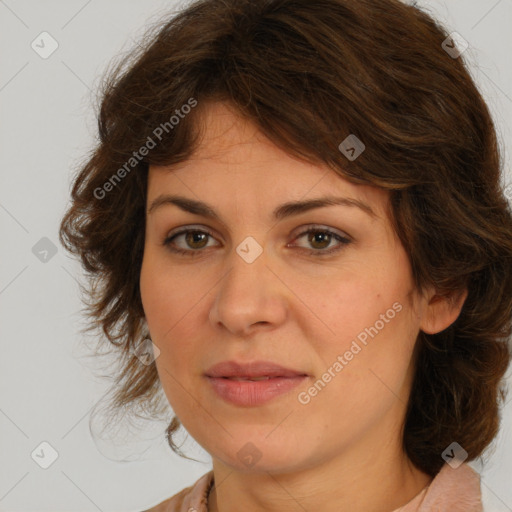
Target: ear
[(441, 311)]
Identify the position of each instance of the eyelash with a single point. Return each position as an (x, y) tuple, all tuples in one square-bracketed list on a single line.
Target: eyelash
[(319, 252)]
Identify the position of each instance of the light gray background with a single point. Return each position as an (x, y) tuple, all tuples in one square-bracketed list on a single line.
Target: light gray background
[(47, 126)]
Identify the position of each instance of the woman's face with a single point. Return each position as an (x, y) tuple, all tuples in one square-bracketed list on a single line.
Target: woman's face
[(254, 287)]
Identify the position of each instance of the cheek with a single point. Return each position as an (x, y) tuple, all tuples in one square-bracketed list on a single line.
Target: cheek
[(169, 307), (161, 309), (167, 295), (174, 305), (357, 304), (370, 325), (364, 373)]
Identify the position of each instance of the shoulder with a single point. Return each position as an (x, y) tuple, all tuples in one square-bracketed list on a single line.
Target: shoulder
[(455, 490), (190, 499)]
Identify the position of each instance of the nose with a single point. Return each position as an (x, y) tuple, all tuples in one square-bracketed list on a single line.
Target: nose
[(249, 297)]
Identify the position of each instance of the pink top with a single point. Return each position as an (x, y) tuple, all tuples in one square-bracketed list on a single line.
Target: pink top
[(452, 490)]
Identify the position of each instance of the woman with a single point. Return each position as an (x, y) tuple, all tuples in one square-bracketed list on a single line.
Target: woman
[(298, 204)]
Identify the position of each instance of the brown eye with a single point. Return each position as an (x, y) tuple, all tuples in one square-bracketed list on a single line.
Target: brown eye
[(196, 237), (320, 240), (194, 240)]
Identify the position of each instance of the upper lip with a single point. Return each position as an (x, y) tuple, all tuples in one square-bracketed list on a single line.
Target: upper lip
[(252, 369)]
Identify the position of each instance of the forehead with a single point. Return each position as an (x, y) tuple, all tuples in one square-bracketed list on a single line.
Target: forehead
[(235, 159)]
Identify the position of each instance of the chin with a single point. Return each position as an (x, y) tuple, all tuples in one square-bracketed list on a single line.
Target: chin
[(259, 454)]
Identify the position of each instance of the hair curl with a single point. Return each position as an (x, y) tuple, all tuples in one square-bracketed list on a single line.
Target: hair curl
[(308, 74)]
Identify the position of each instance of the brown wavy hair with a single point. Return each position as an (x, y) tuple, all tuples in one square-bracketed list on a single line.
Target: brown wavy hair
[(308, 74)]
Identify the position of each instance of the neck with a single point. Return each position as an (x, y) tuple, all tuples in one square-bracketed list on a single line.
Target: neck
[(375, 483)]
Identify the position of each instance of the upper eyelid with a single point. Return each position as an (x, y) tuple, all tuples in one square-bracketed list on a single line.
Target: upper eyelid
[(307, 227), (184, 229), (302, 231)]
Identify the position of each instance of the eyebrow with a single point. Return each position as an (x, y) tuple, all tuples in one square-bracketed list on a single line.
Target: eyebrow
[(280, 212)]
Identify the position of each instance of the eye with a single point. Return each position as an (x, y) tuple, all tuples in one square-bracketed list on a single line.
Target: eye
[(195, 239), (320, 239)]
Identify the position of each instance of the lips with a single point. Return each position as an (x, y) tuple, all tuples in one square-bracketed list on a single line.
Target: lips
[(257, 370), (252, 384)]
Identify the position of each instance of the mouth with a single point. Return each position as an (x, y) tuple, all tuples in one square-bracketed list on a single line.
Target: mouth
[(256, 370), (252, 384), (253, 392), (255, 379)]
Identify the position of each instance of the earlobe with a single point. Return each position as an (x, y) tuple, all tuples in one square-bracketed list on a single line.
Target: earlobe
[(442, 311)]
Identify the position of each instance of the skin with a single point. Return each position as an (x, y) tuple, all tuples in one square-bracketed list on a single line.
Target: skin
[(299, 310)]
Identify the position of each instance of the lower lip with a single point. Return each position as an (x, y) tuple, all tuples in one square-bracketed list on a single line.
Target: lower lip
[(252, 393)]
